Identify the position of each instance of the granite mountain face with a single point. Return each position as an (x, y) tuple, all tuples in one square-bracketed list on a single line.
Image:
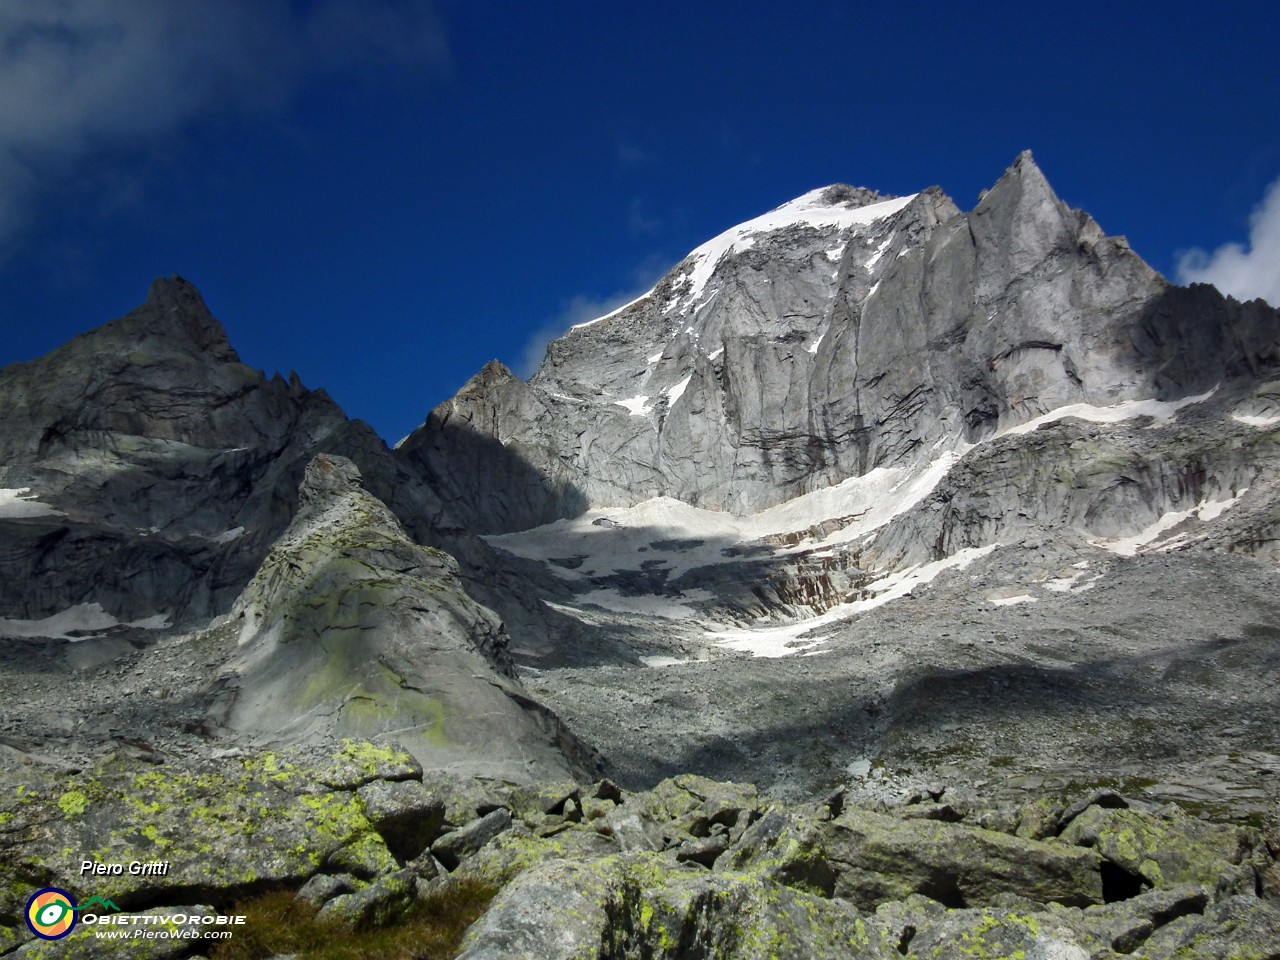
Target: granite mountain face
[(851, 387), (867, 492), (836, 335)]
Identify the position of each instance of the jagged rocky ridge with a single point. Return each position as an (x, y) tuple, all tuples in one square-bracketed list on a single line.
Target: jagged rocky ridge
[(158, 469), (867, 492)]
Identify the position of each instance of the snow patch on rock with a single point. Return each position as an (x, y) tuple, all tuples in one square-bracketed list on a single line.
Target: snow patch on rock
[(1116, 413), (809, 210), (797, 637), (637, 406), (1153, 535), (81, 622), (21, 504), (1252, 421)]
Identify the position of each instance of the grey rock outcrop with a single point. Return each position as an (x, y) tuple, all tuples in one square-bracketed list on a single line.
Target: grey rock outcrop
[(352, 630)]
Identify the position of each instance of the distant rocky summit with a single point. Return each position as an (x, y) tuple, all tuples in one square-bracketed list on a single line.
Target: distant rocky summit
[(890, 580)]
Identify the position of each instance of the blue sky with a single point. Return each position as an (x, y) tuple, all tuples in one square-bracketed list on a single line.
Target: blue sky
[(384, 195)]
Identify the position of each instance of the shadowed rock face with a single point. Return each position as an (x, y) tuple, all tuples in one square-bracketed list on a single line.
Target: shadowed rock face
[(166, 465), (815, 349), (352, 630), (463, 457), (153, 474)]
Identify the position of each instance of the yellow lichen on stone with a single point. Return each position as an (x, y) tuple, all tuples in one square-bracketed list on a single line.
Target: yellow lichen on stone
[(73, 803)]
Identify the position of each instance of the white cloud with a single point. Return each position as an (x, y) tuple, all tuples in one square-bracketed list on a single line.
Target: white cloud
[(581, 309), (80, 78), (1244, 273), (578, 309)]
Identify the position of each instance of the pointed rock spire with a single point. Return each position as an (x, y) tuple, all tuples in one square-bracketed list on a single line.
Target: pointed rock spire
[(1017, 224), (175, 311)]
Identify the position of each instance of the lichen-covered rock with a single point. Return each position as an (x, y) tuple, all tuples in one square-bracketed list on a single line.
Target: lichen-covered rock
[(785, 882), (359, 762), (634, 831), (1240, 928), (997, 933), (535, 801), (223, 827), (351, 629), (323, 887), (1162, 850), (671, 914), (645, 906), (553, 912), (379, 904), (1125, 925), (456, 845), (687, 807), (407, 815), (787, 848), (703, 851), (879, 857), (516, 850)]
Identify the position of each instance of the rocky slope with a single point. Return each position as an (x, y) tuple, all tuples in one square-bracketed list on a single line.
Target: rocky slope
[(350, 629)]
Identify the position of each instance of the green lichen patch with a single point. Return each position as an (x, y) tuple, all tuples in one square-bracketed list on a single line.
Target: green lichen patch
[(361, 761), (996, 934), (881, 858), (223, 827), (73, 803), (514, 851), (645, 905), (1163, 850)]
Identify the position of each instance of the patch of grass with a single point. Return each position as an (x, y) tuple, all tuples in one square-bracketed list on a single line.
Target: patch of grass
[(432, 930)]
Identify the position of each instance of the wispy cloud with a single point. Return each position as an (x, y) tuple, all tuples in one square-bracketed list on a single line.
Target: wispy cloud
[(631, 153), (640, 221), (1244, 272), (82, 78), (581, 309)]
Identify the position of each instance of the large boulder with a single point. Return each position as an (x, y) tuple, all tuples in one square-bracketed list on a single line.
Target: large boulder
[(1163, 850), (350, 629), (219, 828), (645, 906)]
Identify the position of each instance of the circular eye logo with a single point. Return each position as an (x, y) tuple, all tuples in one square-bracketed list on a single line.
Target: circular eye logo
[(51, 913)]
